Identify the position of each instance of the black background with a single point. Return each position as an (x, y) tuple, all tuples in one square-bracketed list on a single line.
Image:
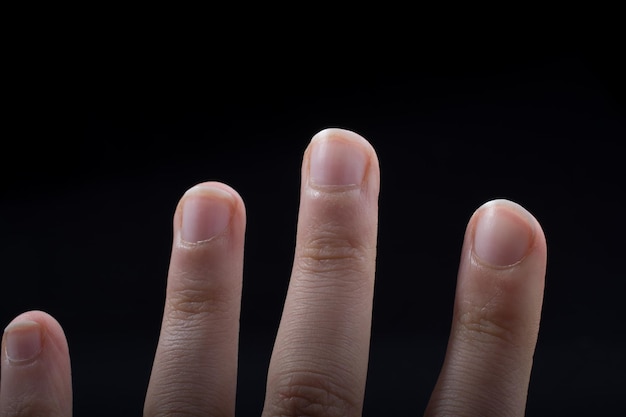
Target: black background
[(101, 139)]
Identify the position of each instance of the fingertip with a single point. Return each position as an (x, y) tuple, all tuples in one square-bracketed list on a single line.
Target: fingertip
[(31, 327), (331, 133), (206, 211), (219, 189), (503, 233), (338, 159), (217, 185), (503, 267)]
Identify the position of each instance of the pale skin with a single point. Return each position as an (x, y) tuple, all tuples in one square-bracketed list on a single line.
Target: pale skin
[(320, 357)]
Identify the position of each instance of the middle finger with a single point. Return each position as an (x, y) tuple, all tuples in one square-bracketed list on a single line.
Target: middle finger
[(319, 362)]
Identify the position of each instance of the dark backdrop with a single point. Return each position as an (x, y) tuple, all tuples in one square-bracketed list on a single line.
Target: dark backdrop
[(100, 142)]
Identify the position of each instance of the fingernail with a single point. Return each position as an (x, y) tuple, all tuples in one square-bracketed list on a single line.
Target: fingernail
[(503, 233), (206, 213), (23, 341), (337, 158)]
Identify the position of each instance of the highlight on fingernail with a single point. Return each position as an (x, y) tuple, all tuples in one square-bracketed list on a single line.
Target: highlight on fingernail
[(338, 158), (503, 233), (206, 213), (23, 341)]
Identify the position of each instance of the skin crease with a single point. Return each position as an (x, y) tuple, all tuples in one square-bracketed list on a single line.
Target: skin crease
[(320, 357)]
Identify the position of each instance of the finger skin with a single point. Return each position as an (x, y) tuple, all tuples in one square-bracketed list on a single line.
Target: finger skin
[(195, 366), (319, 362), (496, 317), (41, 384)]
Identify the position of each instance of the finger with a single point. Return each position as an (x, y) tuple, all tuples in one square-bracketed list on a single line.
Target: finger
[(195, 366), (319, 361), (496, 315), (36, 375)]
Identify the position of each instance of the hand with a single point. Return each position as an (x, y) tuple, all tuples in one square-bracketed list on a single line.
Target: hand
[(319, 362)]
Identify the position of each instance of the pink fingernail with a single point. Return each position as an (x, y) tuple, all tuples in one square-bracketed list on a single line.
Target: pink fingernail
[(337, 160), (206, 213), (23, 341), (503, 233)]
